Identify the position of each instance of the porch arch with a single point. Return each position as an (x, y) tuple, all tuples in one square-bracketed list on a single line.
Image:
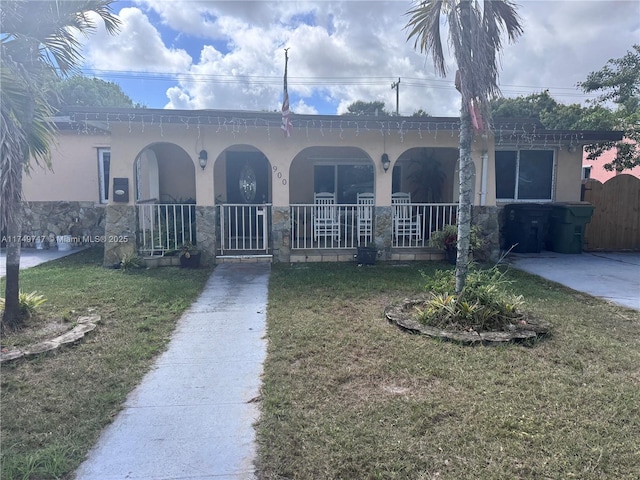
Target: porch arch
[(429, 174), (165, 196), (242, 174), (164, 173), (243, 191), (357, 174)]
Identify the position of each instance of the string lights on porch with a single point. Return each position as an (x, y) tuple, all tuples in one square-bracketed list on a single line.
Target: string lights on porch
[(511, 133)]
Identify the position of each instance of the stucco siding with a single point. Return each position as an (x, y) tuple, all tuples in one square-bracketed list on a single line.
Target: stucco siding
[(568, 172), (74, 175)]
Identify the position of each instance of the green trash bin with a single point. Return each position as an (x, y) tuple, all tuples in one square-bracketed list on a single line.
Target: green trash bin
[(566, 226), (526, 226)]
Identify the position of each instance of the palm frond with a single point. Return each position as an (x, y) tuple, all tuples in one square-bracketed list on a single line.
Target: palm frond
[(35, 31), (13, 140), (424, 25), (475, 36)]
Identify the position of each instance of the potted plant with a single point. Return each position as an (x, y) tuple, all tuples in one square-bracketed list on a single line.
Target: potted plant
[(189, 255), (367, 254), (447, 240)]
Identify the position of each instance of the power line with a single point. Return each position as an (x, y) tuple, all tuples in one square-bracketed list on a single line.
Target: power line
[(318, 81)]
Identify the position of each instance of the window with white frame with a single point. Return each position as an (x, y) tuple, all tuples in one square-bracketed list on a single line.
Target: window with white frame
[(346, 181), (524, 175), (104, 167)]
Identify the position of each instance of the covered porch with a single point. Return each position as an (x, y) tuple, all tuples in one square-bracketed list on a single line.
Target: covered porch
[(334, 205), (234, 189)]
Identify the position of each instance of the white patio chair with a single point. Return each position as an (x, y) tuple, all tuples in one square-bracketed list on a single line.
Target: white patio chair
[(326, 221), (365, 216), (405, 224)]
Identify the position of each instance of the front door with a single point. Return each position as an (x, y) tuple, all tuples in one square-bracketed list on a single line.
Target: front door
[(247, 178), (245, 218)]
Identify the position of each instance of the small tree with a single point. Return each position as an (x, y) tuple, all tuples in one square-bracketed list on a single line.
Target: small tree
[(619, 82), (475, 30), (79, 91), (367, 108)]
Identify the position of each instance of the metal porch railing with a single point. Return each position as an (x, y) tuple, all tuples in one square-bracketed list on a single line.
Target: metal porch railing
[(164, 227), (244, 229), (412, 225), (309, 228)]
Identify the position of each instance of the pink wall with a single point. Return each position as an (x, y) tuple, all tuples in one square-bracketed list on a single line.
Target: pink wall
[(597, 167)]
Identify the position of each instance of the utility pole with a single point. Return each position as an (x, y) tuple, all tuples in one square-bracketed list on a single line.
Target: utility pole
[(396, 85)]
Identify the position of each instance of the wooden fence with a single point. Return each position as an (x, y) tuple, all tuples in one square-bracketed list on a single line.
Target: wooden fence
[(615, 224)]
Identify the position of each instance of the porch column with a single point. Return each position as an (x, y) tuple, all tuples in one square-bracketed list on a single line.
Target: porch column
[(383, 226), (206, 221), (120, 233), (487, 219), (281, 234)]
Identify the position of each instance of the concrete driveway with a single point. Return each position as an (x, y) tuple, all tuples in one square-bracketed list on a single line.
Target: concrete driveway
[(611, 276), (30, 257)]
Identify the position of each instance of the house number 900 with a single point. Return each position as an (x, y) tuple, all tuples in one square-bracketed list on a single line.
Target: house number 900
[(275, 169)]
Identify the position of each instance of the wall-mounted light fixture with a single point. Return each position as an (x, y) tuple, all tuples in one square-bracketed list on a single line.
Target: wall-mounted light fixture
[(121, 190), (386, 163), (202, 158), (572, 148)]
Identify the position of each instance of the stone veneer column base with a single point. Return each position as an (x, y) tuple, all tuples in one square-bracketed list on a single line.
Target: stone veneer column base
[(383, 231), (487, 219), (281, 234), (120, 236), (206, 237)]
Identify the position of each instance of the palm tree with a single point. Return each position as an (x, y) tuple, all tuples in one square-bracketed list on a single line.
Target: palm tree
[(38, 40), (475, 29)]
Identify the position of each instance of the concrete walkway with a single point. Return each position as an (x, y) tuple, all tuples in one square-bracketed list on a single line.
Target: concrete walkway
[(611, 276), (30, 257), (192, 416)]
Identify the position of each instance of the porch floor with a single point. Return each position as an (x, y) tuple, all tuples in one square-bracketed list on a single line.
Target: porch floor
[(243, 259), (349, 255)]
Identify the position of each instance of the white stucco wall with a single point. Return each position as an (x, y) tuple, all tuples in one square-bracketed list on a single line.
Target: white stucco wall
[(74, 174), (75, 160)]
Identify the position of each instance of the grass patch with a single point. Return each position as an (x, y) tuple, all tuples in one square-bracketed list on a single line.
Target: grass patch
[(55, 405), (346, 395)]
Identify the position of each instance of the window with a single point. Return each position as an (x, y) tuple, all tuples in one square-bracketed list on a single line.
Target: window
[(586, 172), (346, 181), (104, 167), (524, 174)]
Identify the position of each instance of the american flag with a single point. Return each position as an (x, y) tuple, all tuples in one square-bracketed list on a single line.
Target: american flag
[(286, 114)]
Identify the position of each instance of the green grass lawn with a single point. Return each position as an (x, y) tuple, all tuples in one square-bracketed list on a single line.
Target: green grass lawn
[(54, 406), (346, 395)]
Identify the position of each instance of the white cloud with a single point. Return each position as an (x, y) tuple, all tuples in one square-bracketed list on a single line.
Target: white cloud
[(352, 49), (138, 47)]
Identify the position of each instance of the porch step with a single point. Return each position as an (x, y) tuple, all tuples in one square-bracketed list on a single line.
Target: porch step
[(154, 262), (244, 259)]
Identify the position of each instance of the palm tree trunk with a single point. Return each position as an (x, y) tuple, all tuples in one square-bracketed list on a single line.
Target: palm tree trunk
[(465, 200), (11, 317)]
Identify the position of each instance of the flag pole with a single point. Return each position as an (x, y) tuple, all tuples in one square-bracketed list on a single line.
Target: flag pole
[(286, 113)]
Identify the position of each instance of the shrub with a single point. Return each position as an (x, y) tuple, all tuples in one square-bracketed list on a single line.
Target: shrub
[(484, 304), (29, 303), (130, 261), (447, 238)]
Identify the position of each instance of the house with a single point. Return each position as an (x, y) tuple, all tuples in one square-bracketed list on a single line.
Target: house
[(145, 181), (595, 169)]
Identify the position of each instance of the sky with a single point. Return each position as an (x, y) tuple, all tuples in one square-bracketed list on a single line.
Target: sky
[(202, 54)]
